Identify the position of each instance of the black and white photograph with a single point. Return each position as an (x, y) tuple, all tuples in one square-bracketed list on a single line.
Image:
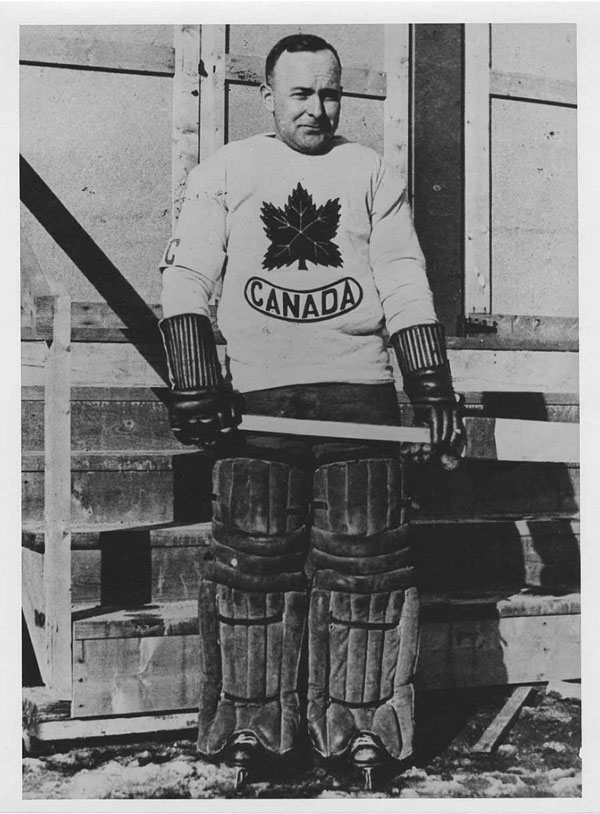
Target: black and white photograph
[(300, 413)]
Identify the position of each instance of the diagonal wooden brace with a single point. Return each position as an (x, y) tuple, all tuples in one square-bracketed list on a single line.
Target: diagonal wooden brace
[(500, 439)]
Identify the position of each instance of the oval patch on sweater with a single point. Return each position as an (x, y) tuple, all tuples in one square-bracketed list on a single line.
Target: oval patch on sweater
[(313, 305)]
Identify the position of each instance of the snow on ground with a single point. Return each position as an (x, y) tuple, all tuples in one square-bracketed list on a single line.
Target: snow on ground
[(539, 757)]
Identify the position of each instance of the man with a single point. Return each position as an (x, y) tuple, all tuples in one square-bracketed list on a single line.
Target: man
[(313, 239)]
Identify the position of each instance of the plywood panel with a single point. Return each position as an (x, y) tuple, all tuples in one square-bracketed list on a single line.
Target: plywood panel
[(119, 676), (361, 119), (534, 209), (547, 49), (102, 142), (356, 44)]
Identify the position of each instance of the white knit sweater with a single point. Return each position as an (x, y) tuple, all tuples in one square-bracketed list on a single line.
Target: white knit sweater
[(317, 255)]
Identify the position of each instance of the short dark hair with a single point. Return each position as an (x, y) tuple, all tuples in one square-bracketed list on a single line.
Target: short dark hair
[(294, 43)]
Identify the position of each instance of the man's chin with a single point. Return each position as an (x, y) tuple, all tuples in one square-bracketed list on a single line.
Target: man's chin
[(313, 144)]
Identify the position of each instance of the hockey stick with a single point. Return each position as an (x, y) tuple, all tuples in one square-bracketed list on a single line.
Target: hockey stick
[(500, 439)]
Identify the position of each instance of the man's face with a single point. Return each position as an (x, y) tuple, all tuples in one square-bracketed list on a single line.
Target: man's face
[(304, 96)]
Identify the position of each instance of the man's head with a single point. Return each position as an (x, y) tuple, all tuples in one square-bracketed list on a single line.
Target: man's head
[(303, 92)]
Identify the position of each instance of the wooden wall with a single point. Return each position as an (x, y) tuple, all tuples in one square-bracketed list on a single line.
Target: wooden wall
[(96, 125)]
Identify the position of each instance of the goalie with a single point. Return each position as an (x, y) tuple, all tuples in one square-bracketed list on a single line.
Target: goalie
[(313, 240)]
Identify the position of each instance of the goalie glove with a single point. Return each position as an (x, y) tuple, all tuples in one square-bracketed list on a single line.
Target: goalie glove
[(202, 405), (421, 354)]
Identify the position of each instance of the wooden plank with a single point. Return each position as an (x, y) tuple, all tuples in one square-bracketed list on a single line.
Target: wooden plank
[(120, 676), (250, 70), (33, 603), (57, 503), (116, 365), (212, 89), (81, 728), (503, 720), (530, 328), (186, 110), (477, 168), (513, 650), (533, 88), (44, 48), (396, 106), (447, 555), (515, 402), (483, 489), (168, 619), (438, 162)]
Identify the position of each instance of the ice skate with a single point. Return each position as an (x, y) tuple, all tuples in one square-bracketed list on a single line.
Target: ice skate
[(366, 755)]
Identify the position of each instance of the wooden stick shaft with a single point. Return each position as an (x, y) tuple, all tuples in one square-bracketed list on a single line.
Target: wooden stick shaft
[(334, 429), (511, 439)]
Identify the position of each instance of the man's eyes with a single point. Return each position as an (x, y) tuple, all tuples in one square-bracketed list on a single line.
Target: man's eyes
[(326, 97)]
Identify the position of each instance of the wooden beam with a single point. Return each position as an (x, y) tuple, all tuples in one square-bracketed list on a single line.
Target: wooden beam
[(212, 89), (40, 47), (438, 162), (247, 69), (533, 88), (503, 720), (186, 109), (57, 503), (123, 365), (477, 168), (396, 107), (526, 328), (82, 728)]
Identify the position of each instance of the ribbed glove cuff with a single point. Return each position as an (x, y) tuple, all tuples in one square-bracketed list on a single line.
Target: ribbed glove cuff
[(191, 352), (420, 347)]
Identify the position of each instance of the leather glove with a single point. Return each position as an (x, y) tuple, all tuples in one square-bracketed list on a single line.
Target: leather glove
[(421, 352), (202, 406), (201, 416)]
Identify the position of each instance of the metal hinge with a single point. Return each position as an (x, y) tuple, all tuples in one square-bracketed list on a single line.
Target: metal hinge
[(473, 326)]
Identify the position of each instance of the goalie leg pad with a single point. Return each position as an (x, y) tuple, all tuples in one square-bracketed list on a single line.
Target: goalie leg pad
[(363, 610), (253, 606)]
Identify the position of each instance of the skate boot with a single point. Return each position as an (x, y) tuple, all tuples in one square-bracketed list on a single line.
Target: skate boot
[(242, 754), (366, 755)]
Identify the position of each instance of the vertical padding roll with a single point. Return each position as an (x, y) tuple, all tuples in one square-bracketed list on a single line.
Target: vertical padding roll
[(227, 637), (274, 644), (357, 648), (294, 625), (257, 647), (318, 668), (209, 661), (378, 612), (240, 639), (409, 638), (339, 636)]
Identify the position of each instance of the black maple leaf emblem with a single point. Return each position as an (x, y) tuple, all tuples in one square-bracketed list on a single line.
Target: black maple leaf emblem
[(301, 231)]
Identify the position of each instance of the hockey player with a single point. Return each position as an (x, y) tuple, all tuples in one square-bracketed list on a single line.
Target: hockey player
[(313, 240)]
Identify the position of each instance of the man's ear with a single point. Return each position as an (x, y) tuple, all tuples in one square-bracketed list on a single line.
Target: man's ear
[(267, 97)]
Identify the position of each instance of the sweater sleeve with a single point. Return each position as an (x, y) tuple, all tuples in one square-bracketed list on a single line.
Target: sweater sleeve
[(195, 256), (395, 254)]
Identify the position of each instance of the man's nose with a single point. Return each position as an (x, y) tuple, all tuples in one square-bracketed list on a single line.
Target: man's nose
[(315, 106)]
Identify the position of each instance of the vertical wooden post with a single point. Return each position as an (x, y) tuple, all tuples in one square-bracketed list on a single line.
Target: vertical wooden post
[(477, 168), (186, 109), (395, 107), (57, 503), (212, 90)]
